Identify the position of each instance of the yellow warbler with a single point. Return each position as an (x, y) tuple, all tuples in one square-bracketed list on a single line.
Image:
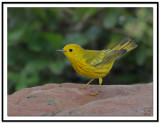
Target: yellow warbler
[(93, 63)]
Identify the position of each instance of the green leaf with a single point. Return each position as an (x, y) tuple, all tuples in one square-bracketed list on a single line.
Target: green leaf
[(109, 22), (81, 12), (125, 78), (135, 28), (76, 38), (15, 36), (34, 42), (140, 54), (35, 25), (93, 33), (29, 75), (111, 18), (14, 77), (57, 66), (92, 10), (53, 39)]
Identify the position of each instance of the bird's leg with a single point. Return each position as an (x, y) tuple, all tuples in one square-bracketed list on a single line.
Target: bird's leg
[(97, 91), (86, 86)]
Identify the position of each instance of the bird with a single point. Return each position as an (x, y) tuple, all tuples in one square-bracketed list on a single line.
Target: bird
[(96, 64)]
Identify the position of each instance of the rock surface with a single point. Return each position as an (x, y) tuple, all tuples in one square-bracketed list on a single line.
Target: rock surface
[(68, 100)]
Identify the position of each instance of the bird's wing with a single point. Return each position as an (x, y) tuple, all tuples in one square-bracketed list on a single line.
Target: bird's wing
[(93, 57), (101, 57), (111, 55)]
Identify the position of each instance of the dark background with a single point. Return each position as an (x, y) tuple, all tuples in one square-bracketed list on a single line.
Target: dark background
[(34, 34)]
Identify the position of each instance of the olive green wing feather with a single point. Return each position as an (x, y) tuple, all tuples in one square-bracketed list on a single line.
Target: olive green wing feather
[(110, 56), (105, 56), (127, 44), (95, 58)]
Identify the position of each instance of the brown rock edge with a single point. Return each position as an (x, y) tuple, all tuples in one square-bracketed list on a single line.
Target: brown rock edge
[(68, 100)]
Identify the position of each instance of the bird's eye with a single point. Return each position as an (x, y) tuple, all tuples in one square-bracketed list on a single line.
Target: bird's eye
[(70, 50)]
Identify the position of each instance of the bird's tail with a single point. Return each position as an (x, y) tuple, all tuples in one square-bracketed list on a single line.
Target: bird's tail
[(126, 44)]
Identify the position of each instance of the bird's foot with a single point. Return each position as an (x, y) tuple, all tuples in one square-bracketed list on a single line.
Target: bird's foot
[(84, 87), (95, 93)]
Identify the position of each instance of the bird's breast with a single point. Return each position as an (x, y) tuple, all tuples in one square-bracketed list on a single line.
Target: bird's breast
[(92, 72)]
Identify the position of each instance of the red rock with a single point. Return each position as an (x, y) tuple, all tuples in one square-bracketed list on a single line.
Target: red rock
[(68, 99)]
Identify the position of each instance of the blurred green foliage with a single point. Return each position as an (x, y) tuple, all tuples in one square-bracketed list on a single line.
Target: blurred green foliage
[(34, 34)]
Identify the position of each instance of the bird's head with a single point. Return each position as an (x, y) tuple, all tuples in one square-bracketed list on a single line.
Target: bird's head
[(72, 51)]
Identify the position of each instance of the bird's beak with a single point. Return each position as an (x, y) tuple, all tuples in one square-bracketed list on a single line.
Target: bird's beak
[(61, 50)]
